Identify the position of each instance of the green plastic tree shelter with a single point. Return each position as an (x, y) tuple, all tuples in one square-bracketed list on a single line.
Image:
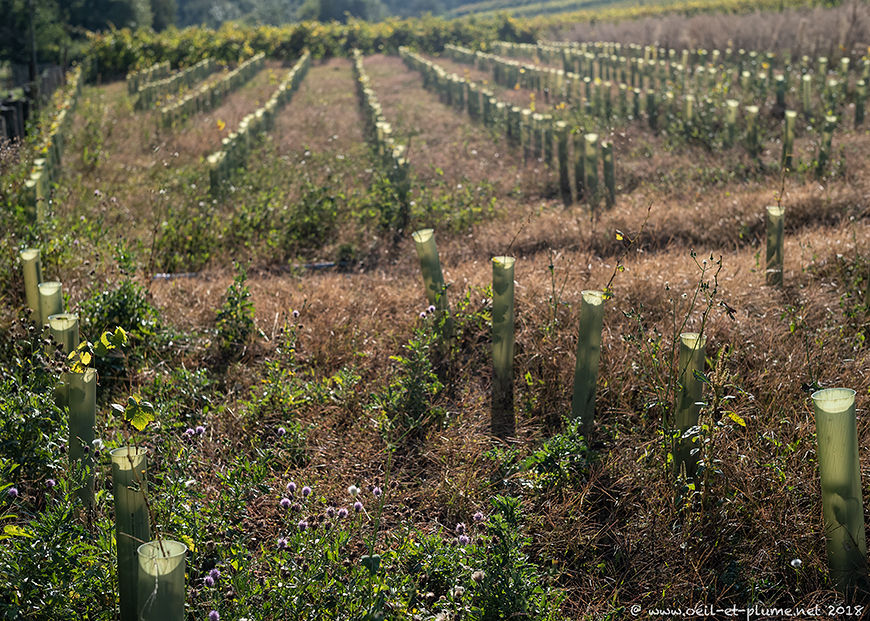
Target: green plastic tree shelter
[(564, 162), (588, 353), (774, 257), (590, 155), (433, 278), (82, 416), (32, 269), (50, 300), (842, 504), (64, 329), (788, 139), (689, 392), (132, 526), (161, 591), (430, 265), (503, 423), (609, 173)]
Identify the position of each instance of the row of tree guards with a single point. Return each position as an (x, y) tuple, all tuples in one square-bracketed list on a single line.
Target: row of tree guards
[(659, 69), (834, 407), (150, 573), (210, 95), (151, 93), (236, 147), (662, 108), (536, 134), (49, 149)]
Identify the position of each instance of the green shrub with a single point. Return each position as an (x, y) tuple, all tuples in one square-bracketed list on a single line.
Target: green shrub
[(235, 319), (406, 407)]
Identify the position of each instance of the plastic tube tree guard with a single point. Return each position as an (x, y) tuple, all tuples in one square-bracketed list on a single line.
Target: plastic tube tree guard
[(32, 269), (731, 120), (774, 259), (690, 390), (590, 165), (161, 591), (433, 278), (579, 163), (503, 424), (588, 354), (842, 504), (825, 147), (609, 173), (860, 101), (64, 329), (753, 144), (132, 525), (788, 139), (82, 416), (50, 300), (564, 162)]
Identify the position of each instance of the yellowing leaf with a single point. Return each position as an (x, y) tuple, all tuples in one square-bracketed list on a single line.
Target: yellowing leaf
[(186, 539), (10, 530), (737, 419)]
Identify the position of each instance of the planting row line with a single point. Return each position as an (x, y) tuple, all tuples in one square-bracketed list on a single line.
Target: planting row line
[(608, 56), (712, 122), (138, 568), (210, 95), (750, 79), (379, 134), (136, 79), (49, 151), (237, 146), (152, 93), (532, 131)]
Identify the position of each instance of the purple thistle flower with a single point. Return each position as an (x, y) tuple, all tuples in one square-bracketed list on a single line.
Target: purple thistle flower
[(49, 483), (342, 513), (281, 431), (208, 581), (330, 512), (291, 487), (12, 492), (377, 492), (285, 503), (296, 507), (215, 573), (431, 309), (302, 525), (282, 543), (460, 528), (296, 314), (199, 431), (306, 492), (464, 540), (422, 314), (189, 432), (478, 517), (214, 615), (357, 506)]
